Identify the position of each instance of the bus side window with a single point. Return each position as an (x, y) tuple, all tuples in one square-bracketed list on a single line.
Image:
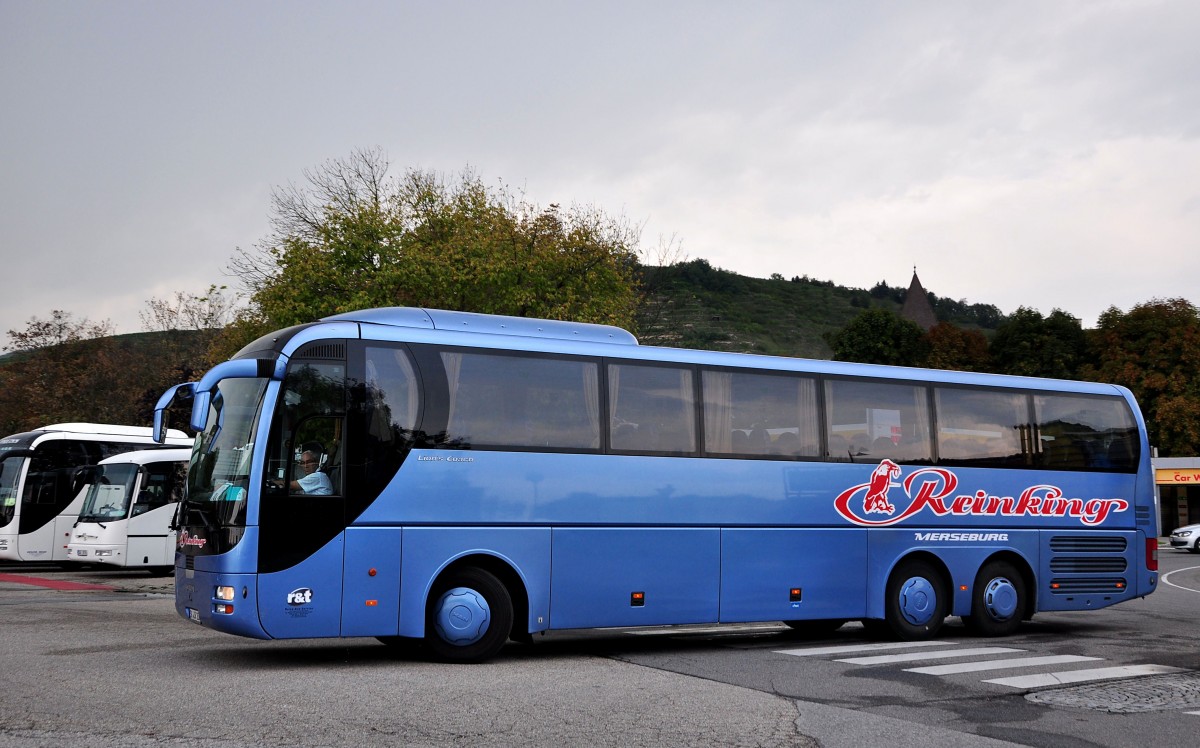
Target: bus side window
[(748, 413), (1085, 432), (981, 426), (523, 401), (873, 421), (652, 408)]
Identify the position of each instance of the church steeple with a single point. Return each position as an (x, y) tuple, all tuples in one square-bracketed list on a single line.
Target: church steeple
[(916, 305)]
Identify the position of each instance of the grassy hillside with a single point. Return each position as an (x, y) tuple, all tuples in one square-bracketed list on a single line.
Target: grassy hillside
[(694, 305)]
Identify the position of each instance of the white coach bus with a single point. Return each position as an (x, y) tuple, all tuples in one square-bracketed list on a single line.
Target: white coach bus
[(128, 511), (39, 497)]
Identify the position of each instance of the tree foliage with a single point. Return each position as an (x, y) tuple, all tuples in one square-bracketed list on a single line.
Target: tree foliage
[(355, 237), (1154, 350), (879, 336), (951, 347), (1029, 344), (61, 369)]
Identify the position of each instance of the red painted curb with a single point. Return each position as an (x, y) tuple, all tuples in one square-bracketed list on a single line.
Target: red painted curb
[(54, 584)]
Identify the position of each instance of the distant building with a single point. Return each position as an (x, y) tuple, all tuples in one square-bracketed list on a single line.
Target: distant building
[(916, 305)]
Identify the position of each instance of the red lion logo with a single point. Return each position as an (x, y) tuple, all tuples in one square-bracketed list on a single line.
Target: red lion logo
[(876, 499)]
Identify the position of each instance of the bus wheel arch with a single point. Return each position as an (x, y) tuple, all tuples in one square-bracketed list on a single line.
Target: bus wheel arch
[(1001, 596), (474, 606), (917, 598)]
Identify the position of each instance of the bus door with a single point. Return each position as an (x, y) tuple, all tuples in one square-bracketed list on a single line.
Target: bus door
[(302, 513), (49, 501)]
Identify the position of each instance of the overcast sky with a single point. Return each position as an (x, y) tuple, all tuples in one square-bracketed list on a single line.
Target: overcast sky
[(1041, 154)]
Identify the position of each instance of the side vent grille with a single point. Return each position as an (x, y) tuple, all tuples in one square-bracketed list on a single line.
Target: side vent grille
[(189, 563), (323, 350), (1142, 515), (1088, 544), (1088, 565)]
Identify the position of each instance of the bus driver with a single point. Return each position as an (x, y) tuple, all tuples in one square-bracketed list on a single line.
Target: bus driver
[(313, 482)]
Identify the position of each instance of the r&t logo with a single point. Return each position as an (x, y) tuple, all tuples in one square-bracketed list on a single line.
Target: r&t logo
[(302, 596)]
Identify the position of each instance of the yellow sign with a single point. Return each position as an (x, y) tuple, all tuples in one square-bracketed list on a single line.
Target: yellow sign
[(1181, 477)]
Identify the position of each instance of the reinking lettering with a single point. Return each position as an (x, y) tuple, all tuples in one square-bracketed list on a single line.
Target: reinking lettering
[(934, 490), (186, 539)]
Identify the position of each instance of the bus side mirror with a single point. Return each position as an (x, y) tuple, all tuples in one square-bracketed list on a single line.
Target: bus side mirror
[(178, 393), (82, 477)]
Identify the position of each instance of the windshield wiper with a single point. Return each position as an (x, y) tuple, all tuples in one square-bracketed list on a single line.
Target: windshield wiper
[(191, 508)]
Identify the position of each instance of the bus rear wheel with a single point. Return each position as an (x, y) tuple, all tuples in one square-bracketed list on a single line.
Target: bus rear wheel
[(915, 606), (469, 616), (997, 601)]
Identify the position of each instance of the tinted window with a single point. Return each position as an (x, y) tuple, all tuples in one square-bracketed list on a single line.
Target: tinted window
[(756, 414), (872, 421), (982, 427), (652, 408), (522, 401), (1081, 433)]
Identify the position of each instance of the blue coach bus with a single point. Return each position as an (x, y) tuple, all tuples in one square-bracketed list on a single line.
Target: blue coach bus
[(465, 479)]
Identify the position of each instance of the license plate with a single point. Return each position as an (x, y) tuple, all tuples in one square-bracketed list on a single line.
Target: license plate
[(80, 553), (194, 614)]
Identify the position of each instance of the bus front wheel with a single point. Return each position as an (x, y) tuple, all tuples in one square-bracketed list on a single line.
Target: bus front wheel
[(916, 601), (998, 600), (469, 616)]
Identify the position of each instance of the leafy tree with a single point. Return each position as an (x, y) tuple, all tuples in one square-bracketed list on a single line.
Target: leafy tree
[(60, 369), (355, 237), (1154, 350), (952, 347), (878, 336), (1029, 344)]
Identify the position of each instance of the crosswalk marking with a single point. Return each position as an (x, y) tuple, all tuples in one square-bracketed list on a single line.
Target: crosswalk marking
[(1015, 662), (849, 648), (1082, 676), (919, 656)]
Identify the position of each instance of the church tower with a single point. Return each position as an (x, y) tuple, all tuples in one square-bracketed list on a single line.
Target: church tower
[(916, 305)]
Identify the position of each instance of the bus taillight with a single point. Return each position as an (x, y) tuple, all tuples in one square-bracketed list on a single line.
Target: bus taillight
[(1151, 554)]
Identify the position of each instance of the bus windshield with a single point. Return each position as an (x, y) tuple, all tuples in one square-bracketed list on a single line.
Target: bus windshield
[(10, 470), (108, 496), (219, 472)]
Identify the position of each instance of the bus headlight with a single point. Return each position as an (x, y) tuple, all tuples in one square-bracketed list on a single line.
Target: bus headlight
[(224, 593)]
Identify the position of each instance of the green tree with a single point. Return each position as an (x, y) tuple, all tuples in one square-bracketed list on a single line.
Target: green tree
[(1029, 344), (878, 336), (355, 237), (1154, 350)]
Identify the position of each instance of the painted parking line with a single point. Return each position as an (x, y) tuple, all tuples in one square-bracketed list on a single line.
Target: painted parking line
[(920, 656), (53, 584), (1083, 676), (1015, 662), (851, 648)]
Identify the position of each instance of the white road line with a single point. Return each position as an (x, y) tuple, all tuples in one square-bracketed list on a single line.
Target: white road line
[(1195, 713), (848, 648), (1082, 676), (1165, 579), (975, 667), (918, 656)]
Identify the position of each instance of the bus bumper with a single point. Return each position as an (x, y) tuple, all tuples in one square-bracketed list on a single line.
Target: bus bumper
[(221, 601)]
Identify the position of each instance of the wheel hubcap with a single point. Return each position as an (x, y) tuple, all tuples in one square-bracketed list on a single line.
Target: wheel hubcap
[(1000, 599), (918, 600), (462, 616)]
